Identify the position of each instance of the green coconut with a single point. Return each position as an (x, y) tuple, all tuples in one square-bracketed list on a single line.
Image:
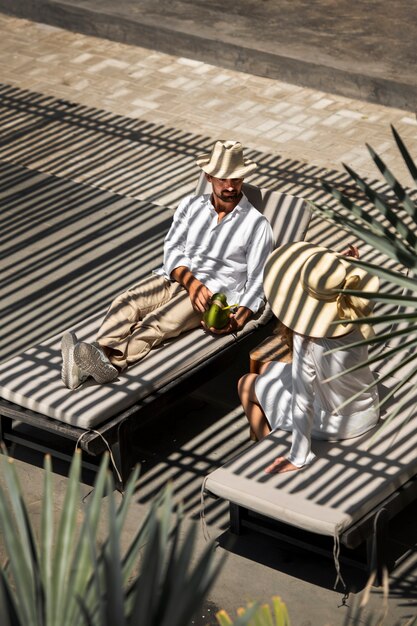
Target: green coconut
[(217, 315)]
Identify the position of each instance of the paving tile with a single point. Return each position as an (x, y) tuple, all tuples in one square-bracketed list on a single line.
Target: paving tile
[(296, 122)]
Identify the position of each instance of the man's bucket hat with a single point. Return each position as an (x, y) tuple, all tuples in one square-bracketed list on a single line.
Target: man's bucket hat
[(226, 160), (301, 282)]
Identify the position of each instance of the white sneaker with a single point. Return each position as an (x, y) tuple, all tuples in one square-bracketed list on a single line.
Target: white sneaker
[(90, 358), (72, 376)]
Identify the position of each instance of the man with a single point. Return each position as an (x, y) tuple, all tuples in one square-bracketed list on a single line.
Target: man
[(218, 242)]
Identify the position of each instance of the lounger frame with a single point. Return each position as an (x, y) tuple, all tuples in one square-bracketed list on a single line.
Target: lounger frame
[(372, 531)]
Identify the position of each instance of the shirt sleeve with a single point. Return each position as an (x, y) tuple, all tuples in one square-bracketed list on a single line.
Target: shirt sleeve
[(175, 242), (302, 403), (260, 247)]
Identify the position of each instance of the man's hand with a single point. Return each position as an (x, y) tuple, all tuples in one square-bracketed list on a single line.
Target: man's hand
[(200, 296), (236, 322)]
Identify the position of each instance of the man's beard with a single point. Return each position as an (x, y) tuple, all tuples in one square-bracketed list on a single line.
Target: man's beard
[(231, 196)]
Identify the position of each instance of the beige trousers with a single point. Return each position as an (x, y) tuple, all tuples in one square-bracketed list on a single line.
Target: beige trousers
[(142, 317)]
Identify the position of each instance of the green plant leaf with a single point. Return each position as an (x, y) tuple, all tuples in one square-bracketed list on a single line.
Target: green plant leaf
[(401, 383), (387, 244), (20, 563), (361, 215), (223, 618), (114, 597), (394, 412), (197, 585), (65, 541), (392, 217), (8, 610), (392, 276), (397, 188), (243, 620), (82, 566), (47, 538), (147, 584), (407, 158), (280, 612)]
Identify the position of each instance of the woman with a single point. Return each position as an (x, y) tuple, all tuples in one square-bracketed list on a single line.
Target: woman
[(307, 397)]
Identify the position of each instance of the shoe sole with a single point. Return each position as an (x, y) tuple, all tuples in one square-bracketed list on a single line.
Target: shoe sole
[(68, 343), (88, 358)]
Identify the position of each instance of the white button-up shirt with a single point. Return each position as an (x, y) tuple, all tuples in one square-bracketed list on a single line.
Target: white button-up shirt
[(227, 256)]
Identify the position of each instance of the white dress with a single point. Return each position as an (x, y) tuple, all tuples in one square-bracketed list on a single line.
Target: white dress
[(294, 397)]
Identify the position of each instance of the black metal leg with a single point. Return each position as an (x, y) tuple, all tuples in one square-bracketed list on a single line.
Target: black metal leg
[(376, 545), (235, 518), (5, 428), (122, 453)]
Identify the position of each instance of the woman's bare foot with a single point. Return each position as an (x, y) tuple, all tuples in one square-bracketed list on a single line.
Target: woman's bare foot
[(281, 465)]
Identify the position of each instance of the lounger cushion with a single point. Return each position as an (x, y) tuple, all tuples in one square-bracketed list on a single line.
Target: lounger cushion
[(347, 479), (33, 379)]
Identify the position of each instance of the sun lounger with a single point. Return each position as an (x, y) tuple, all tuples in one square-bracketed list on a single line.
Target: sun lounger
[(100, 416), (348, 494)]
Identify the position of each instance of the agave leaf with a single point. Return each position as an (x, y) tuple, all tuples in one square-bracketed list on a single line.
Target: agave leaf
[(175, 581), (127, 497), (195, 588), (395, 411), (146, 602), (81, 570), (47, 538), (144, 595), (280, 612), (397, 188), (392, 217), (114, 597), (142, 536), (401, 383), (65, 541), (180, 563), (245, 616), (8, 610), (265, 615), (161, 513), (388, 244), (91, 603), (223, 618), (374, 359), (362, 216), (389, 317), (19, 559), (392, 276), (374, 340), (379, 380), (399, 299), (407, 158)]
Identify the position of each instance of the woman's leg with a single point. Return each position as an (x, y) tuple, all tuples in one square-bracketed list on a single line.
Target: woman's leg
[(256, 417)]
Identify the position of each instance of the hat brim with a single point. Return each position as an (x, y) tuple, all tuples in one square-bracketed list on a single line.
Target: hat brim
[(203, 161), (292, 305)]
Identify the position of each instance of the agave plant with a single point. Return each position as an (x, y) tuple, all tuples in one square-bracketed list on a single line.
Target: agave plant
[(396, 237), (68, 578), (258, 615)]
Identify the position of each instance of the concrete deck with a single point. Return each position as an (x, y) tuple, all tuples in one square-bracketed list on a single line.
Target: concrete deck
[(367, 53), (89, 130)]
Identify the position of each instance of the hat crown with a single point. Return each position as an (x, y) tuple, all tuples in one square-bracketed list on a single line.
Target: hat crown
[(226, 157), (303, 283), (321, 275), (226, 160)]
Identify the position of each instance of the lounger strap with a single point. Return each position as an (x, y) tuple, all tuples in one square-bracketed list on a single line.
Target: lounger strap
[(336, 554)]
